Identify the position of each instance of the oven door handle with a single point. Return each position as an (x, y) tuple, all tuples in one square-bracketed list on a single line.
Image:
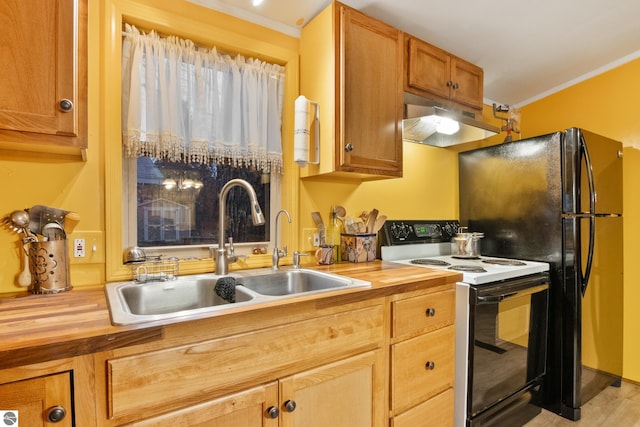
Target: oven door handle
[(491, 299)]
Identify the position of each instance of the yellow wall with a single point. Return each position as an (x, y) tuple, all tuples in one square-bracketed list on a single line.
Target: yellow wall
[(606, 104)]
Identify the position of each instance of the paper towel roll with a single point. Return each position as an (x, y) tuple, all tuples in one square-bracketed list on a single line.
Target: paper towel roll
[(301, 131)]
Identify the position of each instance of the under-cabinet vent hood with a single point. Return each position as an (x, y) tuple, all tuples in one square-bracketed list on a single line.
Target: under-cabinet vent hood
[(426, 122)]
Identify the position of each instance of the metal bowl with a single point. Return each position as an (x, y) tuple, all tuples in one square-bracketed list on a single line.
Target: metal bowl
[(134, 254)]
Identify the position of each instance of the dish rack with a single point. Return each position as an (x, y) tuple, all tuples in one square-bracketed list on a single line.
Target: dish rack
[(159, 270)]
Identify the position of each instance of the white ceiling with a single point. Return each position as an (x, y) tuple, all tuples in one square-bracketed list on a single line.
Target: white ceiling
[(528, 49)]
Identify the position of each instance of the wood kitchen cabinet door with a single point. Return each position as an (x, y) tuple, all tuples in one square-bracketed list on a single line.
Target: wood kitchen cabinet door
[(469, 79), (344, 393), (372, 103), (36, 400), (431, 71), (43, 87), (351, 65)]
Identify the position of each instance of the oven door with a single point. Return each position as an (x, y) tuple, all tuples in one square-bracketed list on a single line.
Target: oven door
[(507, 344)]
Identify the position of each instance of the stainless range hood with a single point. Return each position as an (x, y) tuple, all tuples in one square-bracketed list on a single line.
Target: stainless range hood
[(426, 122)]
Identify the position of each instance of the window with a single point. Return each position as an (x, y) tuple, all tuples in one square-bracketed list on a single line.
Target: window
[(193, 120)]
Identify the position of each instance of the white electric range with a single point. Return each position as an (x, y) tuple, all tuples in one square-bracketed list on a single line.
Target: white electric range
[(427, 244), (501, 322)]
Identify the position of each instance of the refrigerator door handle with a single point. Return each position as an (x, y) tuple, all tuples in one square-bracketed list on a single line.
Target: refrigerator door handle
[(592, 212)]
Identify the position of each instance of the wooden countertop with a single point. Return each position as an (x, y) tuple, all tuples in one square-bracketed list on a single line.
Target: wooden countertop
[(39, 328)]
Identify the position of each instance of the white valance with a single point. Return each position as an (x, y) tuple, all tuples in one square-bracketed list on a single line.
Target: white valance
[(186, 103)]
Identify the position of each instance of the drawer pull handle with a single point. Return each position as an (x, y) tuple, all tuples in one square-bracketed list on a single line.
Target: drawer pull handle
[(430, 312), (273, 412), (430, 365), (55, 414), (290, 406)]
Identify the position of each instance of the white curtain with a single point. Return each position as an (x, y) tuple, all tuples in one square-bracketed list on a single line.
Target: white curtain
[(185, 103)]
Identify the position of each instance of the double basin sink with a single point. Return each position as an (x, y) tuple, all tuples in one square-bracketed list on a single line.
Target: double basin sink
[(131, 302)]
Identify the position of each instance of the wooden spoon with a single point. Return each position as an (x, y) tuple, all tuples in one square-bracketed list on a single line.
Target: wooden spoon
[(371, 220), (379, 223)]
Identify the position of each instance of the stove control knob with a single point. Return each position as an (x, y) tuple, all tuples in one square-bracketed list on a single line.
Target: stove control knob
[(400, 231)]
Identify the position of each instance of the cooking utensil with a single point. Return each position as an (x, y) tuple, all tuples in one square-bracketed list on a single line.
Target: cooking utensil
[(42, 215), (379, 223), (371, 220), (134, 254), (466, 245), (53, 231), (20, 222)]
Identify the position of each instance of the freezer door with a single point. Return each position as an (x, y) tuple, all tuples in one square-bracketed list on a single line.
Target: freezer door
[(599, 160), (512, 192)]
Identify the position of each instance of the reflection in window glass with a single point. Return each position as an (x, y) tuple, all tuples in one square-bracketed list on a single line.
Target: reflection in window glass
[(177, 203)]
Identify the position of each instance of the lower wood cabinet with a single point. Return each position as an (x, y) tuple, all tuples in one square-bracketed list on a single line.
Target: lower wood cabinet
[(337, 394), (382, 362), (40, 401), (328, 370), (422, 357), (342, 393), (249, 408)]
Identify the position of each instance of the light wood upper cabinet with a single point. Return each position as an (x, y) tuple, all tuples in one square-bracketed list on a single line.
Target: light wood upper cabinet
[(43, 88), (431, 71), (351, 64), (40, 401)]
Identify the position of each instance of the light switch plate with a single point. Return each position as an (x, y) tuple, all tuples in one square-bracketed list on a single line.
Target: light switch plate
[(310, 239)]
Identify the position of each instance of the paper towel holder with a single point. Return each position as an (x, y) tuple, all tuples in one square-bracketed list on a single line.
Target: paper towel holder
[(301, 138)]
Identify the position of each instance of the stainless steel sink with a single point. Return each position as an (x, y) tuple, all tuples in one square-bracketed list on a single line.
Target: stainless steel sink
[(292, 282), (172, 296), (131, 302)]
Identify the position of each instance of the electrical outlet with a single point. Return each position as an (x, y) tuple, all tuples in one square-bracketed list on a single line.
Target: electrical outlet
[(78, 248), (88, 247), (310, 239)]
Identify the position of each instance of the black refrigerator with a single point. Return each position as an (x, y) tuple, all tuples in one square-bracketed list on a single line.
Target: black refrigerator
[(557, 198)]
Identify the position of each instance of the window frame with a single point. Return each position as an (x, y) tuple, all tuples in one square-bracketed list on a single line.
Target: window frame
[(207, 27), (130, 220)]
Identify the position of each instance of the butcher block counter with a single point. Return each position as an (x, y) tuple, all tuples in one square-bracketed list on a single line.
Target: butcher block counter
[(239, 363)]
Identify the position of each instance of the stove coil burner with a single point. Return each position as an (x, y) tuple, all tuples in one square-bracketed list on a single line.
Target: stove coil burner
[(464, 257), (504, 261), (468, 268), (427, 261)]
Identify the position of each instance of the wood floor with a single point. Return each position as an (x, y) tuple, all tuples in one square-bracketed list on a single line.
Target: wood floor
[(619, 407)]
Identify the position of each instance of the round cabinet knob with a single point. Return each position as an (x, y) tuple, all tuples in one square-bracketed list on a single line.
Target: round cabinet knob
[(273, 412), (456, 85), (56, 414), (66, 105), (449, 83), (348, 147), (289, 406), (430, 365), (430, 312)]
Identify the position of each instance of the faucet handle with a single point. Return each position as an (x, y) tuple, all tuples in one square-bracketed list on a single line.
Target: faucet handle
[(230, 250), (296, 258)]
